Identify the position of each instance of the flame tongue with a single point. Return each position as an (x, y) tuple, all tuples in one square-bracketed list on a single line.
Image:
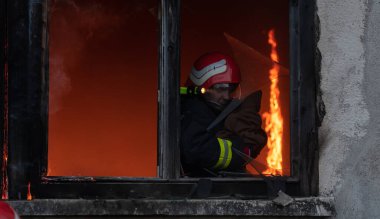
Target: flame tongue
[(273, 119), (29, 196), (4, 183)]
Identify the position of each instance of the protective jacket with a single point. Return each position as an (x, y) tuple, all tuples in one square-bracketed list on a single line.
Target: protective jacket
[(202, 152)]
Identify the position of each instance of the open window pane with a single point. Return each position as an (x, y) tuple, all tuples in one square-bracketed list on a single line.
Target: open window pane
[(242, 30), (103, 88)]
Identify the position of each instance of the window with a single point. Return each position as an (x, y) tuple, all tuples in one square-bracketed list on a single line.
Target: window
[(240, 29), (102, 112), (28, 125)]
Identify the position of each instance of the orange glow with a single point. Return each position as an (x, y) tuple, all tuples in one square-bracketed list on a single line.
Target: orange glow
[(4, 189), (29, 197), (102, 88), (273, 119)]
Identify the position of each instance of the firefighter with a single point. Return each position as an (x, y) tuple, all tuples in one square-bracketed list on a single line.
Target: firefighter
[(215, 77)]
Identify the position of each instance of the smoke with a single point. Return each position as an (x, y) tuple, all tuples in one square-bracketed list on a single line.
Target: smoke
[(90, 17), (73, 25), (254, 66), (100, 53), (60, 84)]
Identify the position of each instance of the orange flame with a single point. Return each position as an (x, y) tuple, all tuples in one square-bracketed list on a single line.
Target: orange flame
[(4, 189), (4, 181), (29, 196), (273, 118)]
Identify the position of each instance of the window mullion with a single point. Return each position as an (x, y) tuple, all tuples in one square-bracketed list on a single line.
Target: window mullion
[(168, 98)]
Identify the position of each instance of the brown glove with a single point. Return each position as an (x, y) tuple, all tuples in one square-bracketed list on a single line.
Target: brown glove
[(245, 122)]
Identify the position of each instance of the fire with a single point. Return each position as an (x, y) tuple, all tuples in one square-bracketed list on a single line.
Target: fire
[(4, 188), (273, 119), (4, 182), (29, 196)]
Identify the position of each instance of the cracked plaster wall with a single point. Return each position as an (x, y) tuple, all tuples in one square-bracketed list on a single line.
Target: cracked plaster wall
[(350, 81)]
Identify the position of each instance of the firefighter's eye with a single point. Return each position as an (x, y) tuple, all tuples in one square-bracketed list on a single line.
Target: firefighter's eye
[(221, 89)]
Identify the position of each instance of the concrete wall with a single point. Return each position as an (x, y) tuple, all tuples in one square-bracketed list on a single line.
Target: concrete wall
[(350, 132)]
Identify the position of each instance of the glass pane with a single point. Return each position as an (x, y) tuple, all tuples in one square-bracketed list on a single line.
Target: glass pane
[(103, 88), (241, 28)]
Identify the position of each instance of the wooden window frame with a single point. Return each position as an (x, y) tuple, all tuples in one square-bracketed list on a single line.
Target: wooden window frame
[(27, 59)]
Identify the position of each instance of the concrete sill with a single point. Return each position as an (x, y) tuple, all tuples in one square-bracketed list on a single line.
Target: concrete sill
[(311, 206)]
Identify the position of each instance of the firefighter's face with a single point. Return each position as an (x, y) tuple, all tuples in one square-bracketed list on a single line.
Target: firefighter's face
[(220, 94)]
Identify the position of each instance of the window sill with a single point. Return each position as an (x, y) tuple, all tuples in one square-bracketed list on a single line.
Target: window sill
[(310, 206)]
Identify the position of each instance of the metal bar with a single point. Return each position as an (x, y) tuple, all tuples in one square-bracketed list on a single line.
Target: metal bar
[(168, 96)]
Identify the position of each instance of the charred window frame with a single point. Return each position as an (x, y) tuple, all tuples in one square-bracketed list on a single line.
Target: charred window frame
[(26, 23), (3, 64)]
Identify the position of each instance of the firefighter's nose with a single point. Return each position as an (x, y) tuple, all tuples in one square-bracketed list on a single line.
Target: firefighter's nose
[(226, 95)]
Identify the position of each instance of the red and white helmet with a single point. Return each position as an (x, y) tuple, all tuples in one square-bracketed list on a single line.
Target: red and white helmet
[(214, 68), (7, 212)]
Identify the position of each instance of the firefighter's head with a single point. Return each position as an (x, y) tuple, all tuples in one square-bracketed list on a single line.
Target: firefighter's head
[(218, 74)]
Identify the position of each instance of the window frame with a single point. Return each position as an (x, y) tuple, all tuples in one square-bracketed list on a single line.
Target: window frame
[(28, 102), (3, 63)]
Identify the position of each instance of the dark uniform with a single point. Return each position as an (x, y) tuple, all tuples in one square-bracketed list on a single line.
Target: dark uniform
[(201, 151)]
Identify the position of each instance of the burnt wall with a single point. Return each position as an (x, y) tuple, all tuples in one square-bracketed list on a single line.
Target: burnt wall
[(349, 136)]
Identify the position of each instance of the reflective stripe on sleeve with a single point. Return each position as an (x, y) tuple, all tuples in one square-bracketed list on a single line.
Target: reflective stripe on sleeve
[(225, 154)]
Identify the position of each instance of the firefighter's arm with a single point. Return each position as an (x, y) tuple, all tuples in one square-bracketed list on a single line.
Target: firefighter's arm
[(203, 149), (228, 158)]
